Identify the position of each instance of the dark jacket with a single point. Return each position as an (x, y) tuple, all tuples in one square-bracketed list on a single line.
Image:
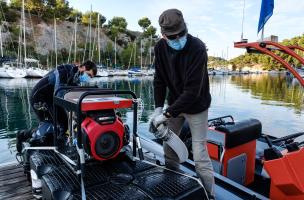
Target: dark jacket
[(185, 75), (45, 88)]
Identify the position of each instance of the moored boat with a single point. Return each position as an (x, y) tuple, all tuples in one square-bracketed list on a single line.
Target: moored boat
[(12, 69)]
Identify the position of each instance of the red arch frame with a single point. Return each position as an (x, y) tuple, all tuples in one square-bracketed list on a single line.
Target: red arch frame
[(266, 47), (293, 47)]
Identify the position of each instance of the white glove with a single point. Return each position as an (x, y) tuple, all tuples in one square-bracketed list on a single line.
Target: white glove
[(160, 119), (157, 111)]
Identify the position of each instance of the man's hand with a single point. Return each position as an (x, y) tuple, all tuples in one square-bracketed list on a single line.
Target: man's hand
[(157, 111), (160, 119)]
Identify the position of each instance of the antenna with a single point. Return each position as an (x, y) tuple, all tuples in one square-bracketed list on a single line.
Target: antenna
[(243, 20)]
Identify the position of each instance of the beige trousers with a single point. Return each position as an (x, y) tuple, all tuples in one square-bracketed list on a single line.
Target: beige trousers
[(198, 124)]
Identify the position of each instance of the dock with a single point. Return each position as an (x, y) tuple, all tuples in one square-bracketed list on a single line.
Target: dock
[(13, 183)]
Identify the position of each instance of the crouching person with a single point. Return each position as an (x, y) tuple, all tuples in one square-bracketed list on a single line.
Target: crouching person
[(42, 95)]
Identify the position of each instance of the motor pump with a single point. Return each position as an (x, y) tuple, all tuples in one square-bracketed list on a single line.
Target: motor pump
[(104, 134)]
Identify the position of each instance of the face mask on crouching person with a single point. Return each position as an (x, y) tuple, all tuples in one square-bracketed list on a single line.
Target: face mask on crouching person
[(86, 71), (81, 78)]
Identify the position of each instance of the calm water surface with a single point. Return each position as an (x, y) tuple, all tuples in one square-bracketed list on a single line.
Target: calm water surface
[(276, 102)]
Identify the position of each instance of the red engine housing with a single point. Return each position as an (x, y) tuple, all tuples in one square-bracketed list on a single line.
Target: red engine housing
[(103, 140)]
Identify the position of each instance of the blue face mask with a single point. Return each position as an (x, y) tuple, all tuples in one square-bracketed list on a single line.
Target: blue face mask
[(84, 78), (178, 44)]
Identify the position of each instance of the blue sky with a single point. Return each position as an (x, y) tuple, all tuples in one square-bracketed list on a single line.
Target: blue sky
[(216, 22)]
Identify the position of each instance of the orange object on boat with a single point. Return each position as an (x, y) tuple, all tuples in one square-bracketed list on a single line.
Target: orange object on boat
[(235, 141), (287, 176)]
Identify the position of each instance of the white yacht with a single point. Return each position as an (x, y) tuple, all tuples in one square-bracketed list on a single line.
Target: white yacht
[(135, 71), (12, 69), (120, 72), (33, 68), (102, 73)]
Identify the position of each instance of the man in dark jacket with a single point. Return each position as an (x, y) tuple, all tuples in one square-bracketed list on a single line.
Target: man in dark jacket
[(181, 69), (63, 75)]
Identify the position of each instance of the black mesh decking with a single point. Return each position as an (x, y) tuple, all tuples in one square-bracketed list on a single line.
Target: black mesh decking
[(112, 191), (127, 166), (117, 179), (63, 178), (165, 184), (43, 162)]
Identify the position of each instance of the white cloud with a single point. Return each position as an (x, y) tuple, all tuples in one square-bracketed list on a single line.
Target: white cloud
[(289, 7)]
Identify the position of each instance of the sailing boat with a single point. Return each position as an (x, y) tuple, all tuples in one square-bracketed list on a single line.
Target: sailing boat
[(101, 72), (150, 71), (9, 67), (33, 69), (117, 72), (135, 71)]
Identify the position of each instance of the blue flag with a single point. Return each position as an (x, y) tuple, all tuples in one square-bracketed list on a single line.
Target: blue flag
[(266, 12)]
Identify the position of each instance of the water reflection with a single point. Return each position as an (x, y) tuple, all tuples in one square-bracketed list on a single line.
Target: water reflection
[(277, 103), (272, 89)]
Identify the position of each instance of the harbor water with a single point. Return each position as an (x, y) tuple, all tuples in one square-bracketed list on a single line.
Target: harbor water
[(272, 98)]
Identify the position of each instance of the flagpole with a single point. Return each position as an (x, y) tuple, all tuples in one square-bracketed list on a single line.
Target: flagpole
[(262, 35), (243, 20)]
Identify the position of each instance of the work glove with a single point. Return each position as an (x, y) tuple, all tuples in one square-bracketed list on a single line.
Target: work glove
[(157, 111), (160, 119)]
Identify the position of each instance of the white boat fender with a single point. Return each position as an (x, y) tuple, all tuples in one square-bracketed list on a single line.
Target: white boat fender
[(169, 137)]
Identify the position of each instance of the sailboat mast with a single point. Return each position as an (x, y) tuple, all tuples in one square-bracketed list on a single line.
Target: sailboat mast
[(115, 53), (130, 58), (90, 34), (24, 42), (135, 53), (150, 51), (98, 39), (70, 51), (75, 40), (141, 53), (55, 41), (19, 60), (1, 41), (85, 45), (47, 60)]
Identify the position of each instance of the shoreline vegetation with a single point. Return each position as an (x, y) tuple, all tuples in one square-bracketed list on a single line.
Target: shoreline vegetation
[(132, 48)]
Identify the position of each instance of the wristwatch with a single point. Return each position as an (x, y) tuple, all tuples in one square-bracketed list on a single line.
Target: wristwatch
[(167, 114)]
